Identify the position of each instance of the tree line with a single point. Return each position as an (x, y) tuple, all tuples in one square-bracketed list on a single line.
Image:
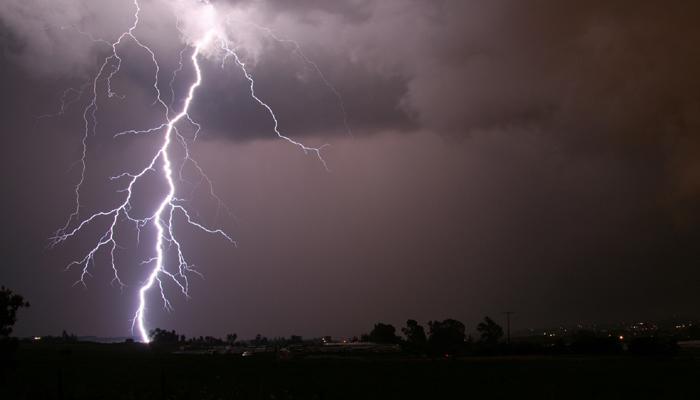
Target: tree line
[(442, 338), (447, 337)]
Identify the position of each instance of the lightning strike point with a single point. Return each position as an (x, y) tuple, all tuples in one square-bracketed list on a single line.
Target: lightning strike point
[(163, 219)]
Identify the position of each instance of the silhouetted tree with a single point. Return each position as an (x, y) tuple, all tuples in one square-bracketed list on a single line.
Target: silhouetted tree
[(383, 333), (446, 337), (9, 304), (416, 341), (295, 339), (213, 341), (490, 332), (260, 340), (231, 339), (162, 336), (68, 337)]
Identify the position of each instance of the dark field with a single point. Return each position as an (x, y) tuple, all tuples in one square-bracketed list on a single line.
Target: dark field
[(87, 371)]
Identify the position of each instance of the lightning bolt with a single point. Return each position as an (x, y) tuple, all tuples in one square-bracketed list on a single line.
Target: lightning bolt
[(161, 163), (296, 48)]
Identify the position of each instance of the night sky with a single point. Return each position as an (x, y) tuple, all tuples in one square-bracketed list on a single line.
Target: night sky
[(536, 156)]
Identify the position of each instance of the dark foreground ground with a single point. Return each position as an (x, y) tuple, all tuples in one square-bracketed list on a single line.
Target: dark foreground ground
[(85, 371)]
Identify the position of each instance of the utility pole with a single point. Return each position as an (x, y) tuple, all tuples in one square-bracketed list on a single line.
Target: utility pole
[(508, 314)]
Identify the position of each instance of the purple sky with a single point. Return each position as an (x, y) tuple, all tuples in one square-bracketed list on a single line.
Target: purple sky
[(533, 156)]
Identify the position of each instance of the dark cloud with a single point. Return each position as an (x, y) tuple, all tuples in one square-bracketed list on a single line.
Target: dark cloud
[(599, 76), (303, 104)]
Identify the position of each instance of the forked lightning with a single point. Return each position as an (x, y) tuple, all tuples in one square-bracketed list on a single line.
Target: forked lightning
[(213, 41)]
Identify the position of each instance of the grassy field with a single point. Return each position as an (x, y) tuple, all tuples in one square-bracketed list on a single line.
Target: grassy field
[(88, 371)]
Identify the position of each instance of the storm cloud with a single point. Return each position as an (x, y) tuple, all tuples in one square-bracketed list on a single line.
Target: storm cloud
[(539, 155)]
